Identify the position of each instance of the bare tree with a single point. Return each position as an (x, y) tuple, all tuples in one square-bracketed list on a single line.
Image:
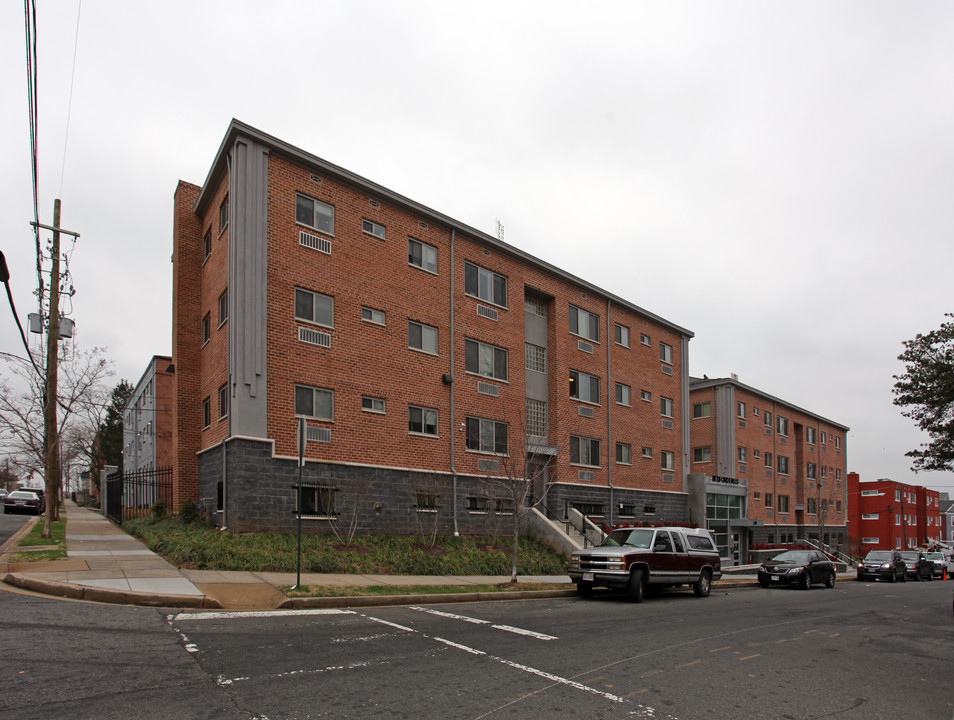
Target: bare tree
[(80, 398), (345, 525), (426, 499)]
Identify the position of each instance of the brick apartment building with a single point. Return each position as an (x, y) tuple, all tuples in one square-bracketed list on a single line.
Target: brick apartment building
[(147, 419), (888, 515), (762, 470), (425, 356), (947, 519)]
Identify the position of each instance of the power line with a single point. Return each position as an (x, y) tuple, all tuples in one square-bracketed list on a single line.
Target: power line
[(69, 106), (29, 11)]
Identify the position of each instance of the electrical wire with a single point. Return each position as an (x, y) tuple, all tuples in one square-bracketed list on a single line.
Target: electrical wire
[(69, 106), (29, 11)]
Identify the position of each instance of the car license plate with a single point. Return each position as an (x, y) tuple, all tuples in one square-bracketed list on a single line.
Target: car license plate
[(587, 576), (774, 578)]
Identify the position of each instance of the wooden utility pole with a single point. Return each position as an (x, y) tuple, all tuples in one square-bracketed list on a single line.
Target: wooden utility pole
[(50, 433)]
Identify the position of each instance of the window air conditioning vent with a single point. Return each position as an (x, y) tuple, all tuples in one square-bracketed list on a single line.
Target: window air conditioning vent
[(742, 424), (314, 242), (667, 477), (586, 411), (667, 424), (313, 337), (318, 434), (485, 465), (767, 431), (585, 347), (488, 389), (666, 370), (586, 475), (487, 312)]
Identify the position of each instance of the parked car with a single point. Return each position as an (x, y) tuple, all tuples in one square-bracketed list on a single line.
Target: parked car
[(802, 568), (22, 501), (640, 559), (3, 493), (883, 565), (940, 563), (918, 567)]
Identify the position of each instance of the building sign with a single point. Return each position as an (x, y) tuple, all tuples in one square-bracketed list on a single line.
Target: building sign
[(726, 480)]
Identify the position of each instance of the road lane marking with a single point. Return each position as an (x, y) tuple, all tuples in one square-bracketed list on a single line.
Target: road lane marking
[(478, 621), (237, 615)]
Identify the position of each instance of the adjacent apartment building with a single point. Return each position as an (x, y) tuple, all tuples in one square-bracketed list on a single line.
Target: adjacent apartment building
[(422, 358), (889, 515), (147, 419), (763, 470)]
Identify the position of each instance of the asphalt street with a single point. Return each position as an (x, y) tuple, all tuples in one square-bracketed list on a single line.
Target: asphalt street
[(860, 651)]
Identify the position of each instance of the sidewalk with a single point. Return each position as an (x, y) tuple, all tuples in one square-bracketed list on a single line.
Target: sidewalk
[(104, 564)]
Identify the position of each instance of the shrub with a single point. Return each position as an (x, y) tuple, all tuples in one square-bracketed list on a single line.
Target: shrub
[(158, 510), (189, 512)]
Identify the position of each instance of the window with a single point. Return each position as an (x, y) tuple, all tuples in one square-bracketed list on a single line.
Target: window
[(783, 426), (810, 435), (223, 307), (372, 404), (837, 442), (646, 396), (665, 407), (486, 435), (644, 339), (767, 417), (768, 459), (372, 316), (422, 255), (421, 420), (223, 401), (535, 306), (207, 242), (667, 460), (584, 451), (811, 471), (485, 359), (665, 353), (768, 499), (869, 516), (484, 284), (314, 402), (206, 413), (422, 337), (372, 228), (782, 465), (584, 387), (783, 503), (824, 438), (702, 454), (623, 453), (224, 214), (315, 214), (427, 502), (756, 495), (536, 358), (584, 323), (206, 328), (701, 410), (811, 506), (741, 454), (755, 411), (314, 307), (536, 418), (647, 452), (622, 394), (317, 502), (756, 453), (621, 335)]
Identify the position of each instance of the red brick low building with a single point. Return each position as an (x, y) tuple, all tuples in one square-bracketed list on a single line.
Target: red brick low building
[(889, 515), (425, 357)]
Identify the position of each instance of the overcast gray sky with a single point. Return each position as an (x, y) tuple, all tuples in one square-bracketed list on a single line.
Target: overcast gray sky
[(775, 177)]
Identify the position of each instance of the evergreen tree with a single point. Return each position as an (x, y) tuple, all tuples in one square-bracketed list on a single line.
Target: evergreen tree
[(109, 437)]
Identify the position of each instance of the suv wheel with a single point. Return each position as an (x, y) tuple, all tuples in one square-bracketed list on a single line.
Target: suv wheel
[(636, 585), (703, 585)]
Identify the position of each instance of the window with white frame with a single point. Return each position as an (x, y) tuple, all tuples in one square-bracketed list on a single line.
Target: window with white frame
[(223, 402), (422, 337), (667, 460), (484, 359), (372, 228), (314, 307), (584, 451), (485, 284), (623, 453), (206, 412), (647, 452), (224, 214), (372, 404), (536, 358), (782, 465), (783, 504), (313, 402), (486, 435), (702, 454), (740, 410), (207, 243), (701, 410), (782, 426), (584, 387), (644, 339), (811, 471), (837, 442), (621, 335), (665, 353), (372, 316), (810, 435), (622, 394), (223, 307), (584, 324), (646, 395), (422, 255), (666, 407), (206, 328), (741, 453), (315, 214), (767, 418), (421, 420)]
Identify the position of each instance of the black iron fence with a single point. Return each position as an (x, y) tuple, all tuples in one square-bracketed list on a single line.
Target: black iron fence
[(132, 495)]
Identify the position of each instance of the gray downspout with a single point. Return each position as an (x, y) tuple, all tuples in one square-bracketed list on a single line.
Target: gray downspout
[(231, 300), (610, 399), (453, 436)]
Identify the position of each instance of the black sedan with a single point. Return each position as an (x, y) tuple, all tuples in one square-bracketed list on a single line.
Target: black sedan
[(21, 501), (883, 565), (917, 565), (803, 568)]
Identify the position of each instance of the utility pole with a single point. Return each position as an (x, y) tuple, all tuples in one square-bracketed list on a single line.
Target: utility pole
[(51, 438)]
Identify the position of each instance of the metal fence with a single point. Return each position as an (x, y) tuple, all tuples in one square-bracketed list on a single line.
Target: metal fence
[(132, 495)]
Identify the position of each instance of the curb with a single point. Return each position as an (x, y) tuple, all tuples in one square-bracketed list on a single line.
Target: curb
[(312, 603), (115, 597)]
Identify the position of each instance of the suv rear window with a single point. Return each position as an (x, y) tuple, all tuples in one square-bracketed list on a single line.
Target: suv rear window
[(699, 542)]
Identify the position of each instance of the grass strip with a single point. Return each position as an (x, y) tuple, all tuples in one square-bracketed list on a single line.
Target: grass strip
[(34, 538)]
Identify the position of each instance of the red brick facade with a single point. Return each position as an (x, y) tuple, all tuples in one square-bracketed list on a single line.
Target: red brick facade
[(890, 515)]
